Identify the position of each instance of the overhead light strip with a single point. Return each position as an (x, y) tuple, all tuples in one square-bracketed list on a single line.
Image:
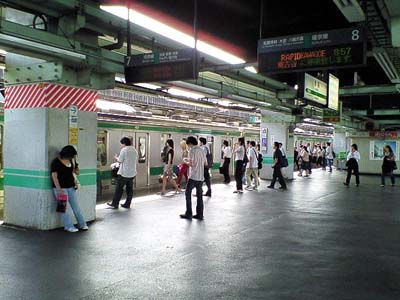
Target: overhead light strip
[(172, 33)]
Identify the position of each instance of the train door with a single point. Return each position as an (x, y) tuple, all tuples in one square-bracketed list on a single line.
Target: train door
[(231, 143), (143, 170)]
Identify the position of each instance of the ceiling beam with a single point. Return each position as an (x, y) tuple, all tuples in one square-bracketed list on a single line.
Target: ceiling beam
[(370, 90)]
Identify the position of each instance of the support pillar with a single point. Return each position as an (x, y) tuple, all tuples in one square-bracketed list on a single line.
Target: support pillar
[(276, 127), (37, 126)]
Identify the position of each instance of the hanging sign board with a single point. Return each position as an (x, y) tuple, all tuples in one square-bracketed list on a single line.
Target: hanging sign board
[(73, 125), (160, 66), (333, 92), (315, 90), (331, 49)]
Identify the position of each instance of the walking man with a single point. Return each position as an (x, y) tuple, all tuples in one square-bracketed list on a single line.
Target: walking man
[(127, 172), (329, 156), (207, 179), (252, 167), (277, 168), (196, 162)]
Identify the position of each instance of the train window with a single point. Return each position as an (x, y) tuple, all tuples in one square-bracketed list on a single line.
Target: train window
[(101, 148), (142, 150)]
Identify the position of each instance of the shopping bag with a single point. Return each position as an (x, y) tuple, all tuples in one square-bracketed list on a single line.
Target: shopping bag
[(62, 200)]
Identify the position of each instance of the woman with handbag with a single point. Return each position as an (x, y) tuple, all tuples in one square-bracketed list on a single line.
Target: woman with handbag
[(168, 173), (240, 153), (183, 168), (388, 164), (63, 171), (352, 165), (227, 154)]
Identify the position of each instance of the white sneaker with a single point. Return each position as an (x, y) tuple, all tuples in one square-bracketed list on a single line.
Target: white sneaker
[(84, 228), (71, 229), (248, 188)]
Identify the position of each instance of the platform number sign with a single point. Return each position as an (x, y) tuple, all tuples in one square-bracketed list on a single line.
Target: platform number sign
[(73, 125), (330, 49)]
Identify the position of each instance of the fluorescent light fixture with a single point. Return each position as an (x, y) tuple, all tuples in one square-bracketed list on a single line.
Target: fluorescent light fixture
[(184, 93), (148, 86), (120, 79), (195, 87), (251, 70), (172, 33), (109, 105), (296, 86), (54, 51)]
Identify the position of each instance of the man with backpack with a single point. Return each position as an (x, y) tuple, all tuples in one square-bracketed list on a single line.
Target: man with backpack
[(278, 159), (209, 158)]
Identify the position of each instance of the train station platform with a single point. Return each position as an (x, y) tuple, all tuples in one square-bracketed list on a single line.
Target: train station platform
[(316, 240)]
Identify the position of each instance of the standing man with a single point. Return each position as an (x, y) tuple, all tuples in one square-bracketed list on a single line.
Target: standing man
[(196, 162), (127, 172), (252, 167), (277, 168), (329, 156), (203, 145)]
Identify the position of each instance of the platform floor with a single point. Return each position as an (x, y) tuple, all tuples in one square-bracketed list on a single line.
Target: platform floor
[(317, 240)]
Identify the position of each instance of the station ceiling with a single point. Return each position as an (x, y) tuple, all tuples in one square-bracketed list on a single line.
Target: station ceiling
[(235, 25)]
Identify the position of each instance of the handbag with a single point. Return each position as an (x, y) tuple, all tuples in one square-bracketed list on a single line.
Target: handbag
[(62, 200), (221, 170)]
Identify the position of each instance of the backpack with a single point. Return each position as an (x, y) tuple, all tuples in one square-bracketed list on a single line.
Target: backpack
[(209, 157), (245, 158), (164, 155), (260, 160), (333, 154)]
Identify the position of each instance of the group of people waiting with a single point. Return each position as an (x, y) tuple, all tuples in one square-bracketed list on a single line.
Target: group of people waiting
[(320, 156), (195, 164)]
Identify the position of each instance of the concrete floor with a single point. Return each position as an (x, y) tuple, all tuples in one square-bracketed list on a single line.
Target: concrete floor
[(318, 240)]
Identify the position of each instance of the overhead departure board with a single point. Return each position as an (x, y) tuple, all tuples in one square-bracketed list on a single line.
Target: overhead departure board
[(313, 51), (162, 66)]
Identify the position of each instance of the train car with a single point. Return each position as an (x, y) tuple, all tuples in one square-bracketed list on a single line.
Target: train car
[(149, 140)]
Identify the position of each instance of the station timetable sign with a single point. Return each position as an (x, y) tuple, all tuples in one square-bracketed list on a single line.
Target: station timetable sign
[(160, 66), (331, 49)]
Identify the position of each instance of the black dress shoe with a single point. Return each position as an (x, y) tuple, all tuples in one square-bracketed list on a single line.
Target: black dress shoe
[(282, 188), (186, 217), (198, 217), (270, 187), (208, 194), (125, 206), (110, 205)]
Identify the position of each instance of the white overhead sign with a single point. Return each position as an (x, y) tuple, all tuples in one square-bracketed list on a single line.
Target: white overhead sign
[(333, 92), (315, 90)]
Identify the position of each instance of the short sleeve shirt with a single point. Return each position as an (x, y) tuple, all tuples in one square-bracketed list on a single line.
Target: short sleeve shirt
[(128, 159), (198, 159), (252, 153), (65, 174)]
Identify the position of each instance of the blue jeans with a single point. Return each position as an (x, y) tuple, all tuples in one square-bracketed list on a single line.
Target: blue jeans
[(330, 163), (199, 193), (73, 202)]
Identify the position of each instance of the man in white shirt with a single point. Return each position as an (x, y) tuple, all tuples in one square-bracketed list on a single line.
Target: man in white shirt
[(207, 179), (127, 172), (252, 166), (196, 162), (329, 156)]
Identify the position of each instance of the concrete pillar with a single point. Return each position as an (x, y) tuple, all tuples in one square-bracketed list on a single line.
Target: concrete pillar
[(275, 127), (339, 142), (37, 126)]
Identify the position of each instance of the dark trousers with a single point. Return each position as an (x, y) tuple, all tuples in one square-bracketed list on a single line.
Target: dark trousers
[(119, 189), (390, 174), (225, 168), (239, 175), (207, 179), (199, 193), (278, 175), (350, 169)]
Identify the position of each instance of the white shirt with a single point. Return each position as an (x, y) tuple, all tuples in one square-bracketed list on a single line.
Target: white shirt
[(355, 155), (227, 152), (252, 156), (128, 160), (328, 153), (239, 151), (197, 158)]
